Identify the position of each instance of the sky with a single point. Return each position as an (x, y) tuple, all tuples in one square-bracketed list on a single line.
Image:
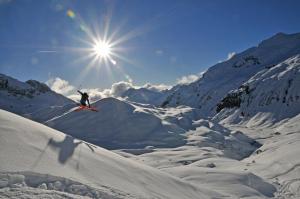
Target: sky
[(156, 42)]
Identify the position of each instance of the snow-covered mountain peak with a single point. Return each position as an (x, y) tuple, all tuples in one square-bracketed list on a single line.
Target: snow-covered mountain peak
[(28, 97), (280, 39), (42, 87), (223, 77), (273, 94)]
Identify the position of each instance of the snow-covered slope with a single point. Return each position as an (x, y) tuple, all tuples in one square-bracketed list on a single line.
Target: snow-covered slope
[(32, 156), (278, 159), (26, 98), (119, 124), (221, 78), (271, 95), (228, 159), (145, 96), (212, 158)]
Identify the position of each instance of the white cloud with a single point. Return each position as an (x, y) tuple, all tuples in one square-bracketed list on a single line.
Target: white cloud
[(117, 89), (94, 94), (156, 87), (230, 55), (60, 86), (187, 79)]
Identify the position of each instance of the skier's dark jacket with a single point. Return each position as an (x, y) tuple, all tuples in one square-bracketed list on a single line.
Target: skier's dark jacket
[(84, 98)]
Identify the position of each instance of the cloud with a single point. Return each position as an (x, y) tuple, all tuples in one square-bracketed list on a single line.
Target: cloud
[(94, 94), (187, 79), (230, 55), (156, 87), (117, 89), (60, 86)]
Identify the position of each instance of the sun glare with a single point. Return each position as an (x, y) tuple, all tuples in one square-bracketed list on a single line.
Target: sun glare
[(102, 49)]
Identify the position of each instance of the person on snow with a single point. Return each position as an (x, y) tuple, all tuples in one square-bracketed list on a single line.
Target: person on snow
[(84, 98)]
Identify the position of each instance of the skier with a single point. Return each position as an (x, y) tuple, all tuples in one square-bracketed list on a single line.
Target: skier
[(84, 98)]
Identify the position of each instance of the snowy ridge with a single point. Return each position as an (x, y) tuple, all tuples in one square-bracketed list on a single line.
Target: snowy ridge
[(119, 124), (269, 96), (221, 78), (28, 97)]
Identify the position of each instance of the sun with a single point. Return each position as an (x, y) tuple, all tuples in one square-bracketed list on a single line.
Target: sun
[(102, 49)]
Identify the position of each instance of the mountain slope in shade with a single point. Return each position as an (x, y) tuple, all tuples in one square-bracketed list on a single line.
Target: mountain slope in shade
[(25, 98), (29, 150), (271, 95), (219, 79)]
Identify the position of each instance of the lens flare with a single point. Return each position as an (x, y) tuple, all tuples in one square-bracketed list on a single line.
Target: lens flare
[(71, 14), (102, 49)]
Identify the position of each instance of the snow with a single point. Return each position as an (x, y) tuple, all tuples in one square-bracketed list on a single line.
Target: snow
[(145, 96), (223, 77), (135, 126), (25, 98), (26, 146), (268, 169), (274, 95), (185, 149)]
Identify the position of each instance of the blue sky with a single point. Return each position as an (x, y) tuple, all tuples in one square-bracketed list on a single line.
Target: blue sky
[(168, 38)]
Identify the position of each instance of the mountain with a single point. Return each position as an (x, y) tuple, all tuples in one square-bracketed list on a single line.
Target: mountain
[(26, 98), (273, 94), (234, 131), (224, 77), (39, 162), (145, 96)]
